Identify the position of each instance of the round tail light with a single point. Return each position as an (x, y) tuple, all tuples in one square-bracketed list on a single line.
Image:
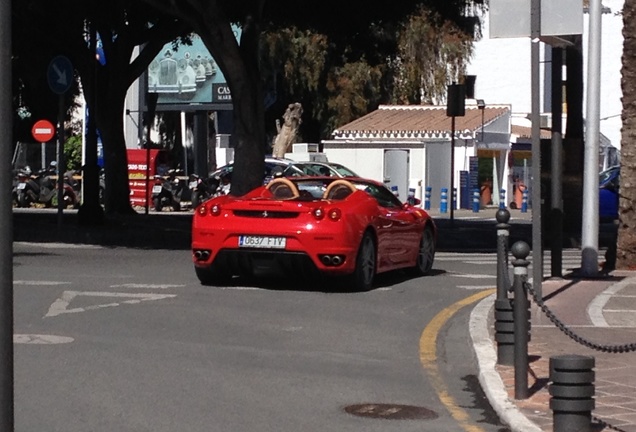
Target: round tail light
[(334, 214)]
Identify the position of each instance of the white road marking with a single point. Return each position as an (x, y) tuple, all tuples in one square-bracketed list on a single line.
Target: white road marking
[(475, 287), (59, 245), (39, 283), (472, 276), (60, 306), (39, 339), (241, 288), (146, 286)]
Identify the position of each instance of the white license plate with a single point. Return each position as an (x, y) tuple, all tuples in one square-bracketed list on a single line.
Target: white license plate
[(156, 189), (262, 242), (21, 186)]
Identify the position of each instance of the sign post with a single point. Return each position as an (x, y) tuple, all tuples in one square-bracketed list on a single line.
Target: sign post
[(60, 77), (43, 131)]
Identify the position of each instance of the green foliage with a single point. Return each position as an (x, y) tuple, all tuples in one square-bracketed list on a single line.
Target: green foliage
[(404, 59), (432, 53), (73, 152), (353, 91)]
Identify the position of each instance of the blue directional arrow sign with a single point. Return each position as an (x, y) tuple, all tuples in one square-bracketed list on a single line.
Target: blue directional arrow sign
[(60, 75)]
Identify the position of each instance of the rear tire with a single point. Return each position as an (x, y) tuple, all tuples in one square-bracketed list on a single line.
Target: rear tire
[(23, 200), (364, 273), (425, 254), (156, 203), (196, 200), (211, 276)]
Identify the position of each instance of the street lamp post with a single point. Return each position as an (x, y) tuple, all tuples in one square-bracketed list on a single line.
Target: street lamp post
[(455, 107), (482, 107)]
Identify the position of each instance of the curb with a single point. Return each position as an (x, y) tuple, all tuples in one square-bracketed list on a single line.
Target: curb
[(489, 378)]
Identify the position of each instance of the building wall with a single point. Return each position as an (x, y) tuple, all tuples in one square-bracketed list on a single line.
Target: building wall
[(502, 67)]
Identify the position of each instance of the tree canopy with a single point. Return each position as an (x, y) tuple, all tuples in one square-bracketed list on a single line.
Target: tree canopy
[(339, 60)]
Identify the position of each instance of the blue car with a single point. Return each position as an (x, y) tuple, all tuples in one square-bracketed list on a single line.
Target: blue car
[(608, 194)]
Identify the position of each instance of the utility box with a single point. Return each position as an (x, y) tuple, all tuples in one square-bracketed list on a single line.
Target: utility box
[(303, 152)]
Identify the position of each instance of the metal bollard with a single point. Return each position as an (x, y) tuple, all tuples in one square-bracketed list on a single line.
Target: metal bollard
[(502, 198), (504, 320), (454, 204), (520, 250), (505, 332), (476, 200), (427, 198), (503, 233), (443, 203), (411, 196), (572, 392), (524, 201)]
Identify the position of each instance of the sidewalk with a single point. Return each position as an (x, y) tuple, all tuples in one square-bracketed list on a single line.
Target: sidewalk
[(603, 312)]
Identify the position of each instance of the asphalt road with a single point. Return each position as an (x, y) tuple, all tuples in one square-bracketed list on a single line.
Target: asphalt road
[(113, 338)]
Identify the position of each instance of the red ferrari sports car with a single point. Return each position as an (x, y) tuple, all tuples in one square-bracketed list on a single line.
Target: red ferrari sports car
[(350, 227)]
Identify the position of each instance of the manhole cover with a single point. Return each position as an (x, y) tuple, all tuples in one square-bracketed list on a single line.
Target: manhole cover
[(390, 411)]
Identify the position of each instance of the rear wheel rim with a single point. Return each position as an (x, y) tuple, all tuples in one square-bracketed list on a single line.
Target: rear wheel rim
[(426, 253), (367, 261)]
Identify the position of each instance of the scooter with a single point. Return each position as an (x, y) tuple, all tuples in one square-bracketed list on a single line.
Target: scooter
[(202, 189), (72, 190), (167, 191), (34, 189)]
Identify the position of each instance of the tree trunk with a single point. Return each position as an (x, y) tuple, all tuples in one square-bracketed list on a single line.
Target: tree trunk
[(288, 132), (573, 146), (626, 247), (110, 123)]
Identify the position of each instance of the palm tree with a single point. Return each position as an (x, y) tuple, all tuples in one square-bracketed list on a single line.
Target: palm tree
[(626, 248)]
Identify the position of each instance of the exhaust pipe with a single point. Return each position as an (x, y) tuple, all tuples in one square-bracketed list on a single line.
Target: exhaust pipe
[(201, 255), (326, 260), (336, 260)]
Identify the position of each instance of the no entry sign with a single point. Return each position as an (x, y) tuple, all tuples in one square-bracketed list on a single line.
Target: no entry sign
[(43, 131)]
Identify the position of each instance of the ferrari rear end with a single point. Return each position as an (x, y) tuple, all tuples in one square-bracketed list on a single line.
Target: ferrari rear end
[(257, 235)]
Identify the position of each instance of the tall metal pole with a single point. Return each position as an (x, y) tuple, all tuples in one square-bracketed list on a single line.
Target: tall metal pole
[(589, 236), (537, 246), (556, 216), (61, 162), (452, 172), (6, 224)]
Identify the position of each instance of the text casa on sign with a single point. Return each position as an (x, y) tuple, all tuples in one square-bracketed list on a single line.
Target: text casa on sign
[(221, 93)]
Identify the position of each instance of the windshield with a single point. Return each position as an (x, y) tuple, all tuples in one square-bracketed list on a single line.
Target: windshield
[(343, 170), (607, 175)]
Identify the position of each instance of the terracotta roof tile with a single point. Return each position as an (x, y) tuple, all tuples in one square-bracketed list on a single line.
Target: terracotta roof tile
[(418, 121), (524, 132)]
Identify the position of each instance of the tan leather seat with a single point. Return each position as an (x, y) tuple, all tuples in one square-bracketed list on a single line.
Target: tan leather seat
[(339, 190), (283, 189)]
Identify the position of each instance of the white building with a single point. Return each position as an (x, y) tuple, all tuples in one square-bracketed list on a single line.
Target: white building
[(503, 70), (408, 147)]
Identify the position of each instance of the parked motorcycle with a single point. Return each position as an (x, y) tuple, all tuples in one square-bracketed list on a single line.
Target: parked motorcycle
[(32, 189), (167, 191), (42, 188), (72, 189), (202, 189)]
